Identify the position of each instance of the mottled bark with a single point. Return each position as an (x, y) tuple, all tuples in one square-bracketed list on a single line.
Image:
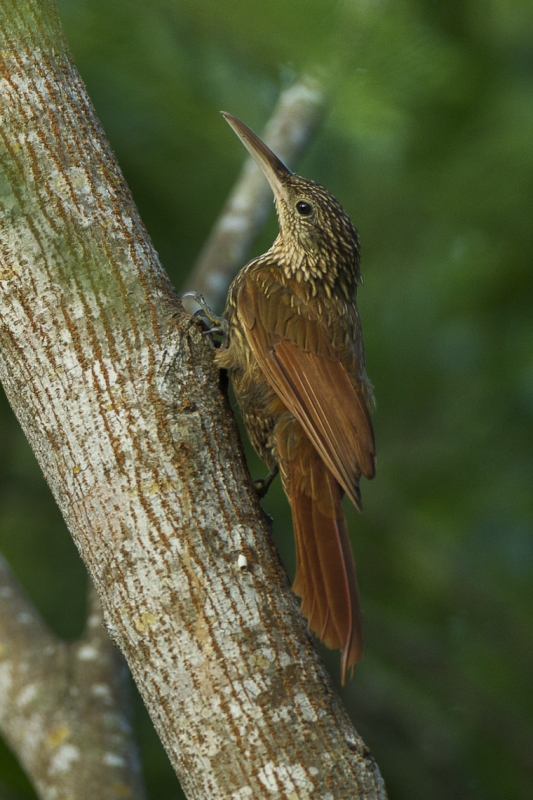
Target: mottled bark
[(116, 390)]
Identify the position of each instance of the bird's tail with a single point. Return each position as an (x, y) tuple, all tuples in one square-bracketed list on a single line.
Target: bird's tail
[(325, 575)]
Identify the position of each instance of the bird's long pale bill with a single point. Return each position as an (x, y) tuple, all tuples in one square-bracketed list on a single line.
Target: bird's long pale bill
[(274, 169)]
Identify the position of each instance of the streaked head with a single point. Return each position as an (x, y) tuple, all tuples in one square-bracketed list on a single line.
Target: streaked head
[(315, 230)]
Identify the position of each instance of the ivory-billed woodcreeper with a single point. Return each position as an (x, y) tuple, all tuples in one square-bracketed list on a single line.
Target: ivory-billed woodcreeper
[(294, 349)]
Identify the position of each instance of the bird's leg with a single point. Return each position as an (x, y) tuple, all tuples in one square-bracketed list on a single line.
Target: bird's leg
[(218, 324), (262, 486)]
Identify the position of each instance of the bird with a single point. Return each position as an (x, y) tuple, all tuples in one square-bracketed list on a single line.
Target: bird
[(293, 347)]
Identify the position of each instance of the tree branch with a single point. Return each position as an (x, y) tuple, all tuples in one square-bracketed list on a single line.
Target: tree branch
[(117, 393), (295, 118), (63, 706)]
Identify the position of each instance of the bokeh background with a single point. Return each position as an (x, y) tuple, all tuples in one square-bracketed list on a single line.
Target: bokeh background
[(429, 145)]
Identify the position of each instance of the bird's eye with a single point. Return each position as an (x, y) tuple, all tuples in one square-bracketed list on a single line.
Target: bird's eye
[(304, 208)]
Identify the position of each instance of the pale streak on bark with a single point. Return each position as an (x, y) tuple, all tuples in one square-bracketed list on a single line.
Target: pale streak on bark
[(293, 122), (62, 705), (116, 390)]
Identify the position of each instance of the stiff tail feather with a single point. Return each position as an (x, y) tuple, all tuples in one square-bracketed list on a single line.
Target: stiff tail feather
[(325, 576)]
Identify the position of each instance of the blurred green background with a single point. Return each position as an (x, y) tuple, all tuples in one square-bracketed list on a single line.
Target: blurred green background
[(429, 145)]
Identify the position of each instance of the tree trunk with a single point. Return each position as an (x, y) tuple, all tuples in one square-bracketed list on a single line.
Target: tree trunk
[(115, 388)]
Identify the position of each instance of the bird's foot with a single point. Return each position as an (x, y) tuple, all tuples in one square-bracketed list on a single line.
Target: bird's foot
[(262, 486), (216, 324)]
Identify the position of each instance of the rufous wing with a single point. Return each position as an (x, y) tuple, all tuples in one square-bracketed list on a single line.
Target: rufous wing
[(295, 355)]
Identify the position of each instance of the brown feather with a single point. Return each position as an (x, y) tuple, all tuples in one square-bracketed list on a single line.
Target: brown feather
[(315, 388), (325, 577)]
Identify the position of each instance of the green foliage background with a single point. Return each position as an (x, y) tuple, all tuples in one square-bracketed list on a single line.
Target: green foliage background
[(429, 145)]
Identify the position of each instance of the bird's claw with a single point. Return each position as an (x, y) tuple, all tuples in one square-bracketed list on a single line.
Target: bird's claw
[(222, 331), (218, 324), (262, 485)]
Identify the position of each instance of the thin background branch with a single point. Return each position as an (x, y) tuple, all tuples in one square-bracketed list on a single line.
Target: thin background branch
[(65, 703)]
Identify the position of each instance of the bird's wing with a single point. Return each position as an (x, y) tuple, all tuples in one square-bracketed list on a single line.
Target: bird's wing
[(299, 363)]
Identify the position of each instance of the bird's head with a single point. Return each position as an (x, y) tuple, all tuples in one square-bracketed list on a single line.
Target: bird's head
[(317, 238)]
